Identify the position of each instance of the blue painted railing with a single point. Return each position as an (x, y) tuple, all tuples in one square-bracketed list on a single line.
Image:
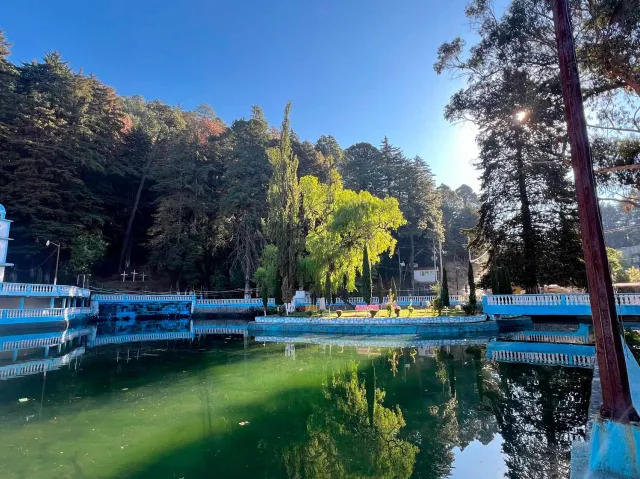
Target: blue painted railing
[(44, 290), (554, 304), (15, 316)]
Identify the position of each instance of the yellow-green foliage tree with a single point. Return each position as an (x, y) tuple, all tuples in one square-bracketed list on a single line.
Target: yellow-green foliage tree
[(341, 223)]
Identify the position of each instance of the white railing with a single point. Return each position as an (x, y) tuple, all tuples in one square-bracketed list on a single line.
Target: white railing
[(138, 298), (579, 299), (232, 302), (26, 289), (544, 358), (133, 338), (42, 312), (628, 299), (35, 367)]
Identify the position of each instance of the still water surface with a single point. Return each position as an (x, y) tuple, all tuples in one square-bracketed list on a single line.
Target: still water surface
[(217, 409)]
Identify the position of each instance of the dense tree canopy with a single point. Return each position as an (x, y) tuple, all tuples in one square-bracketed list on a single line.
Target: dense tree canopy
[(528, 214), (123, 183)]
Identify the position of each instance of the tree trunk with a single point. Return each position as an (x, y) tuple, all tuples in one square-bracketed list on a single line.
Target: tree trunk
[(530, 278), (399, 270), (134, 210), (412, 259)]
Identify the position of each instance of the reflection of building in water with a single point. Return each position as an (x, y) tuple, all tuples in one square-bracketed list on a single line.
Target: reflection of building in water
[(290, 350), (426, 351)]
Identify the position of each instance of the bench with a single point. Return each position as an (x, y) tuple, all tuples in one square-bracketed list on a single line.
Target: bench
[(367, 307)]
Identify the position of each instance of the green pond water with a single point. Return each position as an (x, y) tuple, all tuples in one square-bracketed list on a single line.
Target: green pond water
[(217, 409)]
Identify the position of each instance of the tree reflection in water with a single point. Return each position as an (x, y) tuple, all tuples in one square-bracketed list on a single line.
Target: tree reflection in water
[(345, 441)]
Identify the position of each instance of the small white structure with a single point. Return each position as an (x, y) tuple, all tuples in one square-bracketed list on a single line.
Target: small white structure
[(425, 275), (5, 226)]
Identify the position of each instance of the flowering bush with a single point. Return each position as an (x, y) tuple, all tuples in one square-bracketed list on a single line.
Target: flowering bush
[(398, 308)]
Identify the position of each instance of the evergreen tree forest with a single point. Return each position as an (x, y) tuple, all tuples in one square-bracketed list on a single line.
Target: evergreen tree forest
[(123, 184), (528, 217)]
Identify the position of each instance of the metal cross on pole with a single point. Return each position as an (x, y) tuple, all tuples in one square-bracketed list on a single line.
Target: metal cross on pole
[(124, 276), (134, 273), (616, 396), (143, 275)]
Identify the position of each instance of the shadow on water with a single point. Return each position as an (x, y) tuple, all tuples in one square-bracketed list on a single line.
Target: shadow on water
[(310, 412)]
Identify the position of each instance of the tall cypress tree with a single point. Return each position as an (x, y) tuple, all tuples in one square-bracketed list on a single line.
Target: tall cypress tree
[(367, 285), (472, 286), (277, 293), (327, 289), (283, 199), (394, 289), (444, 290), (495, 287)]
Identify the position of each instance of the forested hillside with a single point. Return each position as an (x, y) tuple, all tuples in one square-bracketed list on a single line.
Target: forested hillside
[(123, 183)]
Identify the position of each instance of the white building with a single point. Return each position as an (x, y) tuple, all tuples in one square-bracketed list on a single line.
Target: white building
[(5, 226), (425, 275), (631, 254)]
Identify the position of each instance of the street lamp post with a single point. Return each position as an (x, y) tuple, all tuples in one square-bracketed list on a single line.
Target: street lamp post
[(55, 276)]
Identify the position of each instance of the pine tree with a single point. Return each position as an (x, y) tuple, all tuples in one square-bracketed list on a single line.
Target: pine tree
[(444, 290), (245, 182), (472, 286), (367, 285)]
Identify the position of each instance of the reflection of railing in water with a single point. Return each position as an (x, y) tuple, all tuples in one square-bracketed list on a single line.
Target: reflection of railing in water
[(542, 353), (35, 367), (44, 339), (581, 336), (388, 342), (134, 338)]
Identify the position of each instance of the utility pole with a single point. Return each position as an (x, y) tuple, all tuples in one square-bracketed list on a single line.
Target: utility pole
[(616, 396)]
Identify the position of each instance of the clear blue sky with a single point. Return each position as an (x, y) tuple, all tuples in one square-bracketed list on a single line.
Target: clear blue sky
[(357, 70)]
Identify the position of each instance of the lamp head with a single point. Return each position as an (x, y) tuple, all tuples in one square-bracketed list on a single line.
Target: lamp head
[(48, 242)]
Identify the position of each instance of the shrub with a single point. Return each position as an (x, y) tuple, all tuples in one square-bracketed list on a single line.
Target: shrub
[(339, 312), (457, 307), (469, 309), (437, 304), (373, 313), (309, 313), (398, 308), (322, 312), (389, 309), (410, 309)]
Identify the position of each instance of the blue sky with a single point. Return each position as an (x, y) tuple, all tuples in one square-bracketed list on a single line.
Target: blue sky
[(357, 70)]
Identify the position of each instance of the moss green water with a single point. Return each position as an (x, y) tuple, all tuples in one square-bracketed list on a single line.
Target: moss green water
[(269, 411)]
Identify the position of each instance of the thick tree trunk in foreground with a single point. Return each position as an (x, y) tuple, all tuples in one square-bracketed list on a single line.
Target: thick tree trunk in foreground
[(614, 379)]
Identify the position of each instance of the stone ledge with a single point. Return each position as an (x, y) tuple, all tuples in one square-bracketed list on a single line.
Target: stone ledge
[(440, 320)]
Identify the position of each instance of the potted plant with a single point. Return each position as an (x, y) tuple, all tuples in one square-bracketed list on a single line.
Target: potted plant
[(339, 312), (373, 312), (397, 310)]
